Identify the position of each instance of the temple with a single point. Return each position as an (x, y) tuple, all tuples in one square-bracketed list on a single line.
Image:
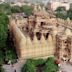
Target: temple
[(41, 35)]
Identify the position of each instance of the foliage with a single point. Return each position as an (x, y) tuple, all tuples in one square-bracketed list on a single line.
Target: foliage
[(1, 69), (1, 57), (5, 8), (69, 13), (50, 66), (10, 50), (3, 29), (6, 50), (61, 15), (15, 9), (60, 9), (31, 65), (10, 55), (61, 12), (27, 10), (39, 62)]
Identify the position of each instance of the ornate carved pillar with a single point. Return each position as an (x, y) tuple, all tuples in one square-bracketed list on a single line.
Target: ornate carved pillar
[(58, 46), (70, 48)]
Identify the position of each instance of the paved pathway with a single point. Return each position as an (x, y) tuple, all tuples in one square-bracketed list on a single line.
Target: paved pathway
[(16, 66), (66, 67), (8, 68)]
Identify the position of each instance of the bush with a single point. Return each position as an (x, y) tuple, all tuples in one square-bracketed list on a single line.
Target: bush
[(4, 21), (32, 65), (39, 62), (61, 12), (15, 9), (1, 69), (1, 57), (27, 10), (5, 8), (29, 66), (10, 55), (50, 66), (61, 15)]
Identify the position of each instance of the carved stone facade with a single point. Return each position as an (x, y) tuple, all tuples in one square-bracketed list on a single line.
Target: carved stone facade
[(63, 46), (42, 35)]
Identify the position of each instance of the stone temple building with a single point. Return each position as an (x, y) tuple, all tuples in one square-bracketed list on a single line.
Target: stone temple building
[(41, 35)]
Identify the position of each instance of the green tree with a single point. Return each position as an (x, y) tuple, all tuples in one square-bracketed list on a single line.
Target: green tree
[(4, 21), (5, 8), (29, 66), (1, 69), (50, 66), (69, 13), (15, 9), (61, 15), (33, 65), (3, 35), (27, 10), (10, 50), (60, 9), (39, 62), (61, 12), (1, 57), (10, 55)]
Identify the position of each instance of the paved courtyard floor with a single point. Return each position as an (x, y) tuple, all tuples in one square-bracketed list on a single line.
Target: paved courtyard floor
[(17, 66), (66, 67)]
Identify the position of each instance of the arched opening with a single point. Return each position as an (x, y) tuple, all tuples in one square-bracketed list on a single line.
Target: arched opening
[(46, 36), (31, 34), (34, 24), (42, 23), (38, 34)]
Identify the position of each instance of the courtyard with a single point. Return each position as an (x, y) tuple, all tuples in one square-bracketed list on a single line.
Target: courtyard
[(65, 67)]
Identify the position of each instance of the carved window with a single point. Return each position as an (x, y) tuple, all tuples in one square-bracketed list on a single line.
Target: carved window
[(46, 35), (42, 23), (31, 35), (38, 34)]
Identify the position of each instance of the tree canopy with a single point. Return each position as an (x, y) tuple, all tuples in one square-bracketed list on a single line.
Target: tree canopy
[(5, 8), (50, 65), (4, 21), (61, 12), (61, 9), (40, 65), (61, 15), (27, 10), (15, 9), (69, 14), (29, 66), (2, 69), (1, 57)]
